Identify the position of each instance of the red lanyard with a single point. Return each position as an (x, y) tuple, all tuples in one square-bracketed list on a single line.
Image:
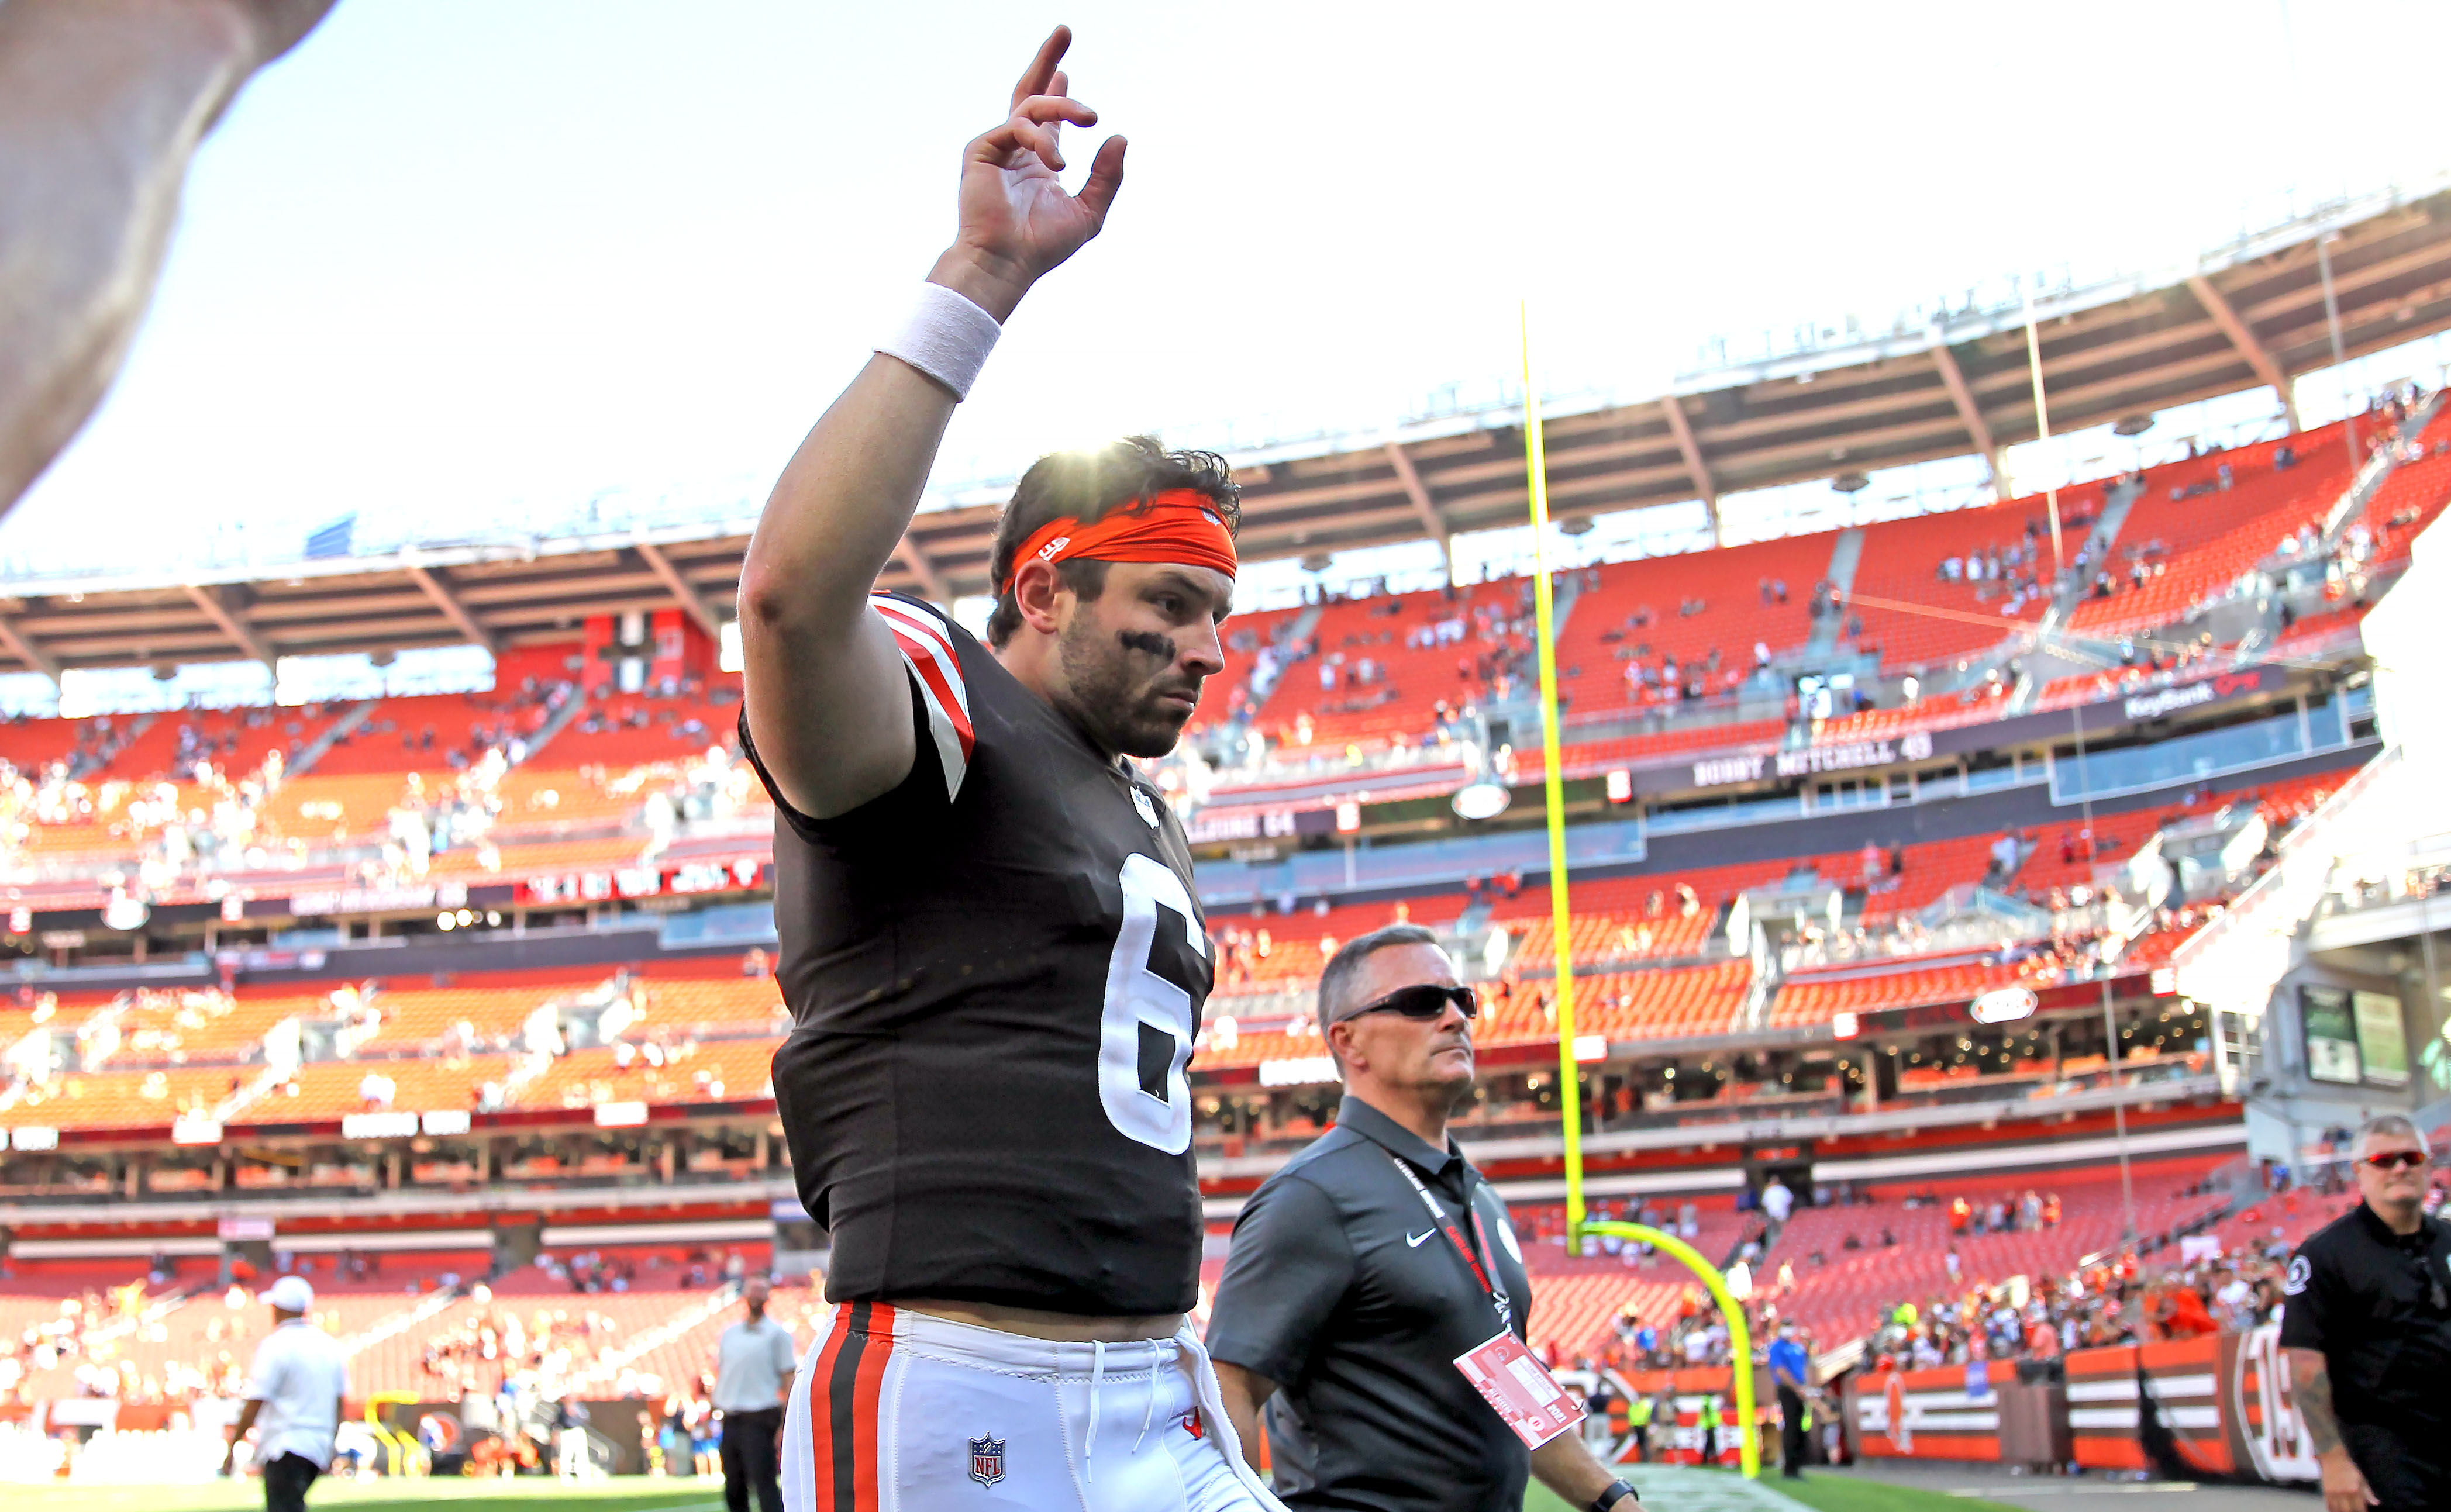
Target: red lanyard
[(1485, 1275)]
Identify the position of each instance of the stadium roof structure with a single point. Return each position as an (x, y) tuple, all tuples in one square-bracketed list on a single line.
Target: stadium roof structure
[(2250, 314)]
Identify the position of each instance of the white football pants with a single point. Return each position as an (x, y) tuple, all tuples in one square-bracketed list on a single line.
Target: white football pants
[(897, 1411)]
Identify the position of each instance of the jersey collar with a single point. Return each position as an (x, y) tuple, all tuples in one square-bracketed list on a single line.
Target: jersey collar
[(1394, 1137), (2381, 1233)]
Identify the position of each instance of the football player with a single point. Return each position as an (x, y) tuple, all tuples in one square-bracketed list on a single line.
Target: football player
[(990, 939)]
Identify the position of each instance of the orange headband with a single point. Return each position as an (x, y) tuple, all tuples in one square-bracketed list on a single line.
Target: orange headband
[(1177, 525)]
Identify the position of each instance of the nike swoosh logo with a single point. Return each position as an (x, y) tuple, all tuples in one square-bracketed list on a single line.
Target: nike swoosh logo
[(1415, 1241)]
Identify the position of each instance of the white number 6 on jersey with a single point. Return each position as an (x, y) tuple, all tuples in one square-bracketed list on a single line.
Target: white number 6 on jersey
[(1142, 1007)]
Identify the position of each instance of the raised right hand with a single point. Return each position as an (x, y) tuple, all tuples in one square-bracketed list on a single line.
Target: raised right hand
[(1016, 219)]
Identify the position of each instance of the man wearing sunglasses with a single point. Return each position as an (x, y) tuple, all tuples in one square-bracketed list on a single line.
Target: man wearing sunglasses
[(2367, 1328), (1375, 1260)]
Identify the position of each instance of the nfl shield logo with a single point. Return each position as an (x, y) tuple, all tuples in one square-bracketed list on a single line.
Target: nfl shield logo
[(987, 1460)]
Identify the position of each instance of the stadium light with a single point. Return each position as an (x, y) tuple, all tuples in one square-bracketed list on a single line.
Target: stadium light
[(2004, 1004), (1484, 799)]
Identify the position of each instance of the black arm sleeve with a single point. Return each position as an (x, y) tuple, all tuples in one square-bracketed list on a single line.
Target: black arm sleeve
[(1286, 1273)]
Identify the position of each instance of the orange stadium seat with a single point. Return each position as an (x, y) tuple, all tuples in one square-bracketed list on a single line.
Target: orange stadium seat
[(1843, 1295), (1297, 945), (2199, 540), (698, 1071), (1386, 680), (1601, 637), (128, 1099), (1901, 563), (324, 1090), (1812, 999), (1229, 693), (421, 733), (2410, 500), (621, 730), (30, 744)]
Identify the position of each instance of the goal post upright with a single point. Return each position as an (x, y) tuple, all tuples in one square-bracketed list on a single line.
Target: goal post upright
[(1570, 1101)]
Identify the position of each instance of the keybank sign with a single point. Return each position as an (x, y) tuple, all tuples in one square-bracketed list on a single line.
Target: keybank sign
[(2191, 695)]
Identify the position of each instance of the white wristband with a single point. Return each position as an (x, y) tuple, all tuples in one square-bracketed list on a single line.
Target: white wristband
[(946, 336)]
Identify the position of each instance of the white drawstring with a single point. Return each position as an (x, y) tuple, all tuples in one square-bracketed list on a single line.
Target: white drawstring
[(1097, 1374), (1148, 1414)]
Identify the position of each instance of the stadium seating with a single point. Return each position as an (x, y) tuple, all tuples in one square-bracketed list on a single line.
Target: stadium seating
[(2410, 500), (128, 1099), (1835, 1295), (1942, 712), (1268, 949), (1653, 603), (1901, 563), (31, 744), (1389, 671), (174, 1027), (622, 730), (1812, 999), (1229, 693), (422, 733), (324, 1090), (2199, 525), (1633, 918), (234, 740)]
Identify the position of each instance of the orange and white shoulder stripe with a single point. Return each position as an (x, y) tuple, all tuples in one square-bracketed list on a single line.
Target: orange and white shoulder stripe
[(927, 649)]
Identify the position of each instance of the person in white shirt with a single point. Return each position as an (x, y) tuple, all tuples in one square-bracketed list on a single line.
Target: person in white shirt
[(295, 1392), (1777, 1200)]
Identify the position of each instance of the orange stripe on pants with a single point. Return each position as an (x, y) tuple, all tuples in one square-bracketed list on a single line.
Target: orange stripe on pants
[(822, 1420), (864, 1393)]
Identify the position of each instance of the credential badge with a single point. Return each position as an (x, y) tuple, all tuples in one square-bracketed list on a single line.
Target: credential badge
[(987, 1460)]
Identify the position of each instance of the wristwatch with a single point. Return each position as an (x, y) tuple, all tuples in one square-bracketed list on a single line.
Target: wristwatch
[(1618, 1490)]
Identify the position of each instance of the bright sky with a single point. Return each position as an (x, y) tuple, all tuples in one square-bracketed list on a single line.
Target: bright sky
[(461, 259)]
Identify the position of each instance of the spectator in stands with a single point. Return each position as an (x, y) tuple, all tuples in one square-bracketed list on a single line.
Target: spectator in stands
[(1777, 1200)]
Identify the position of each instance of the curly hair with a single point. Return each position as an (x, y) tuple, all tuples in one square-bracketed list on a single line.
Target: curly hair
[(1087, 486)]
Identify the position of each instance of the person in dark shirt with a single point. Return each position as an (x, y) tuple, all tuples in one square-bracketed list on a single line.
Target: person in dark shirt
[(2366, 1325), (990, 938), (1365, 1266)]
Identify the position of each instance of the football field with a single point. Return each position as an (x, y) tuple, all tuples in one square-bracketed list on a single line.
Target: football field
[(1670, 1490)]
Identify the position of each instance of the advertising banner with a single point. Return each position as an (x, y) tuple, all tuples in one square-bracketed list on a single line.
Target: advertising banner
[(2331, 1035), (2182, 1378), (1948, 1413), (2382, 1037)]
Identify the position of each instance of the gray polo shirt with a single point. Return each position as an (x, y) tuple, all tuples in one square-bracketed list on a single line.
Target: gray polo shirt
[(753, 1359), (1340, 1290)]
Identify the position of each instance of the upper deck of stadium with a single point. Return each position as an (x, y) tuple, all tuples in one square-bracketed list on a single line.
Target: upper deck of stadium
[(2247, 314)]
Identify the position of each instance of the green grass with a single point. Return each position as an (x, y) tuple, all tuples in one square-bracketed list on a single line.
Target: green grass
[(1824, 1493), (1838, 1493), (522, 1495), (1821, 1491)]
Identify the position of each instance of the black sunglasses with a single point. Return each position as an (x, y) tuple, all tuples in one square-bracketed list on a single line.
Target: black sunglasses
[(2395, 1160), (1426, 1001)]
